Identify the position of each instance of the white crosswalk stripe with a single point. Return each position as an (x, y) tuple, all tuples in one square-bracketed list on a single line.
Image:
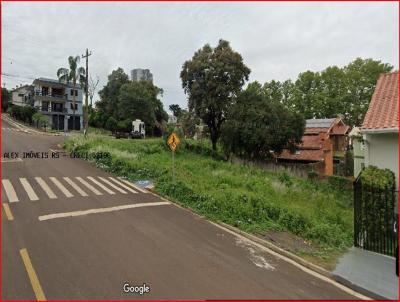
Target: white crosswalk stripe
[(61, 187), (10, 192), (101, 185), (132, 185), (122, 185), (75, 186), (46, 188), (112, 185), (28, 188), (89, 186), (25, 188)]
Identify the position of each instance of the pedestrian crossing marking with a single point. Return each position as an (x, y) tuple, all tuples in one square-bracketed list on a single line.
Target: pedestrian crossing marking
[(101, 185), (112, 185), (132, 185), (75, 186), (10, 192), (89, 186), (28, 188), (122, 185), (46, 188), (61, 187)]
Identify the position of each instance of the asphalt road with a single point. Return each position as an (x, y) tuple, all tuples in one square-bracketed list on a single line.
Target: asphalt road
[(179, 255)]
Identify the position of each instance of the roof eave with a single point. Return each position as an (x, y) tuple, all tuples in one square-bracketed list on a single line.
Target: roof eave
[(379, 130)]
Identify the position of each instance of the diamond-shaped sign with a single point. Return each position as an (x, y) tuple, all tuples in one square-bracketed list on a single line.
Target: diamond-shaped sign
[(173, 141)]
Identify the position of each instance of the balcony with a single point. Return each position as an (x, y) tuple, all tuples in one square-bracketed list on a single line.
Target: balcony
[(50, 96), (52, 111)]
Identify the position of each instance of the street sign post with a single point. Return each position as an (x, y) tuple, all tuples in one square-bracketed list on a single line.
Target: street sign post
[(173, 141)]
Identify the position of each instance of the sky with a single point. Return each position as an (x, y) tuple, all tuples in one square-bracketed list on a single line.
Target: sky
[(276, 40)]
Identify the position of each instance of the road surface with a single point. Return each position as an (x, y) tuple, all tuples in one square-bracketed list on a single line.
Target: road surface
[(69, 231)]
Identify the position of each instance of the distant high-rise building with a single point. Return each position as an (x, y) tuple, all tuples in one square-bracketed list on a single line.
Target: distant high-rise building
[(141, 75)]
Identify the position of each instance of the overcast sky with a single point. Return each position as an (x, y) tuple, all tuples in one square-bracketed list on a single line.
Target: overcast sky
[(276, 40)]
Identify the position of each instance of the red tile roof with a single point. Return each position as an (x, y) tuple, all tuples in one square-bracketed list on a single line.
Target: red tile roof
[(383, 109), (340, 130), (306, 155)]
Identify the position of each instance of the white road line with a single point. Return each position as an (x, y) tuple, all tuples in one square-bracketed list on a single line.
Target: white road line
[(11, 194), (75, 186), (101, 185), (112, 185), (89, 186), (46, 188), (61, 187), (101, 210), (28, 188), (122, 185), (133, 185)]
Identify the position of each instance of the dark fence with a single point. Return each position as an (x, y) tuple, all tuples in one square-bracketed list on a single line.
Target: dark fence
[(374, 218)]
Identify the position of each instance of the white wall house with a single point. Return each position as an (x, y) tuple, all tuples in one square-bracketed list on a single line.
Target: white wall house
[(22, 95), (55, 100), (380, 129)]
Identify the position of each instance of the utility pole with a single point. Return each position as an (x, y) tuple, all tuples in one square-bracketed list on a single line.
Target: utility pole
[(86, 116)]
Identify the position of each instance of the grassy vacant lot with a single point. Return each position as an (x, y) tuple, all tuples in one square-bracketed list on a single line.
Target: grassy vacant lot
[(319, 214)]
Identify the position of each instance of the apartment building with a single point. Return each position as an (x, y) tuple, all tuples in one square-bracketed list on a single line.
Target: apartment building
[(55, 101), (141, 75)]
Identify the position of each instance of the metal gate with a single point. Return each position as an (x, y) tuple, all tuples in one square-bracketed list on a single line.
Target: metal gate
[(374, 219)]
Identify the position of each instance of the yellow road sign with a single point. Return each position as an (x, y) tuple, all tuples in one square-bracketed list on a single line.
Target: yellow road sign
[(173, 141)]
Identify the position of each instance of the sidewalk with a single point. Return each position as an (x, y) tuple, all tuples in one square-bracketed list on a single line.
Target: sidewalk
[(369, 273)]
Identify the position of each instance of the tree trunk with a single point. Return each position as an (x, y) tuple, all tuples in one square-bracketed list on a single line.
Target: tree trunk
[(214, 138)]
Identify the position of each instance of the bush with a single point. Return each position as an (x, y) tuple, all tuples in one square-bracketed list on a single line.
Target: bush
[(124, 126), (111, 124), (285, 178), (338, 183), (375, 178)]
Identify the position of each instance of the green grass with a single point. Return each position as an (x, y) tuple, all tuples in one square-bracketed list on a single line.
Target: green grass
[(246, 197)]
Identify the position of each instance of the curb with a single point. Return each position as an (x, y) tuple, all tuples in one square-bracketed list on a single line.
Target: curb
[(29, 129), (280, 251)]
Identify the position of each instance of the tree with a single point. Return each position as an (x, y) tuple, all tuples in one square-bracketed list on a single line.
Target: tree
[(109, 95), (176, 110), (256, 126), (92, 88), (5, 99), (360, 80), (139, 100), (346, 91), (111, 124), (212, 79), (74, 74), (189, 122)]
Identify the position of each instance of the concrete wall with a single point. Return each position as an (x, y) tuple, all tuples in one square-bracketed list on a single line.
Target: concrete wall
[(381, 150)]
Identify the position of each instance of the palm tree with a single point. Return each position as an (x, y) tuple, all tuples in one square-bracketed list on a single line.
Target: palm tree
[(73, 74)]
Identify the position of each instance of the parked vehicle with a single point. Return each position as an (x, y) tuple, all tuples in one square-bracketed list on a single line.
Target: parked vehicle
[(138, 131)]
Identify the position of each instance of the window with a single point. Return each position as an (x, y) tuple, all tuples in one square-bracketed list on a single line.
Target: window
[(297, 152), (76, 92), (72, 106)]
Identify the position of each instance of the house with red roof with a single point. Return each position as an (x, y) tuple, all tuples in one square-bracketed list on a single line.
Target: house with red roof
[(380, 129), (322, 140)]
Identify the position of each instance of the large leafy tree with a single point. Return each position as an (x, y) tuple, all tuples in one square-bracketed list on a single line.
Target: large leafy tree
[(109, 95), (257, 126), (346, 91), (212, 79), (139, 100), (74, 74)]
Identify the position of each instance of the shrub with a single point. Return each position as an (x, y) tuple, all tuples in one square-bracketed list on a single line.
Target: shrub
[(111, 124), (338, 183), (376, 178), (285, 178)]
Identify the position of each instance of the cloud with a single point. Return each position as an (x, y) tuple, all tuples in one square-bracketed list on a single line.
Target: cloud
[(276, 40)]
